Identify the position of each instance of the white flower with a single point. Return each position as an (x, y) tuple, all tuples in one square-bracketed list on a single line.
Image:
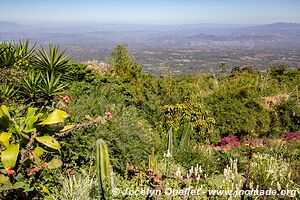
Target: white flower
[(168, 154)]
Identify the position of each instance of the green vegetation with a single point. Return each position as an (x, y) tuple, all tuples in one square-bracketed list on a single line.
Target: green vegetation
[(103, 168), (131, 130)]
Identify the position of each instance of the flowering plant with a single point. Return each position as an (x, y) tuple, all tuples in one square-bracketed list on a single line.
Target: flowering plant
[(230, 141), (291, 136)]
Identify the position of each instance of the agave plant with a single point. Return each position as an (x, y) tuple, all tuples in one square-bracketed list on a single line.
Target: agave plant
[(51, 86), (7, 55), (7, 92), (54, 61), (41, 88), (13, 54), (29, 85), (23, 53), (3, 47)]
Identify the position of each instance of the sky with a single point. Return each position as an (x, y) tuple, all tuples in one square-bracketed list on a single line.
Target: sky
[(151, 11)]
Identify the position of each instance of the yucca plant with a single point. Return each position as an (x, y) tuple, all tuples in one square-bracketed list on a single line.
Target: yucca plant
[(23, 53), (3, 47), (29, 85), (52, 61), (41, 88), (16, 54), (51, 86), (7, 55), (7, 92), (103, 168)]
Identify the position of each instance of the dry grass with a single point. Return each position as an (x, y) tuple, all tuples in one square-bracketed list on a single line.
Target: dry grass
[(272, 101)]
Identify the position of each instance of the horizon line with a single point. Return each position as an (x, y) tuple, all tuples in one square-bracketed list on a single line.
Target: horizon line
[(58, 22)]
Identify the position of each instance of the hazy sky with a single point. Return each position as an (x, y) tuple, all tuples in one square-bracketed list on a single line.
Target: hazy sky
[(152, 11)]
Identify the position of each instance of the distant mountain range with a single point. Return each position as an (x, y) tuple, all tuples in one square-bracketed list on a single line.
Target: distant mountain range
[(277, 35)]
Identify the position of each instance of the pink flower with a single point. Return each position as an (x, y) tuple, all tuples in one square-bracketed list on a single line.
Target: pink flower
[(231, 141), (66, 99), (156, 179), (9, 171), (291, 136)]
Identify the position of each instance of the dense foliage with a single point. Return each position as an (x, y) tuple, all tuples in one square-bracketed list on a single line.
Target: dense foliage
[(168, 131)]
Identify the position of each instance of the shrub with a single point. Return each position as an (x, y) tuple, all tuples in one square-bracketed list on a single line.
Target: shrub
[(79, 72), (189, 157), (191, 112), (29, 149), (129, 135), (123, 65), (77, 186), (27, 143), (271, 172), (289, 116)]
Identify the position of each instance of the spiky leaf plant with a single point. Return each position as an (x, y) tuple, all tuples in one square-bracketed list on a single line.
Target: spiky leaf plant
[(52, 61)]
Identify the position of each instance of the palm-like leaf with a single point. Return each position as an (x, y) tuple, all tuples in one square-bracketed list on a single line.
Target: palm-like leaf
[(7, 91), (7, 58), (51, 86), (11, 53), (54, 61), (22, 49), (30, 84), (2, 50)]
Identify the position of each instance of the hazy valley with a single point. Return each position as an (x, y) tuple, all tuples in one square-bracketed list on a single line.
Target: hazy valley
[(179, 48)]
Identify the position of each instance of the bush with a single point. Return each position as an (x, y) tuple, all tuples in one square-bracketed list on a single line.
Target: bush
[(28, 150), (79, 72), (189, 157), (129, 136), (79, 186), (271, 172), (289, 116)]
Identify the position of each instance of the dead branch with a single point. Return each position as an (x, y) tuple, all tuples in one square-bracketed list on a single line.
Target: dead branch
[(98, 120)]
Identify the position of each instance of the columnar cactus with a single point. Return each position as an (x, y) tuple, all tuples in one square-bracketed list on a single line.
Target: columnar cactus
[(103, 168)]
